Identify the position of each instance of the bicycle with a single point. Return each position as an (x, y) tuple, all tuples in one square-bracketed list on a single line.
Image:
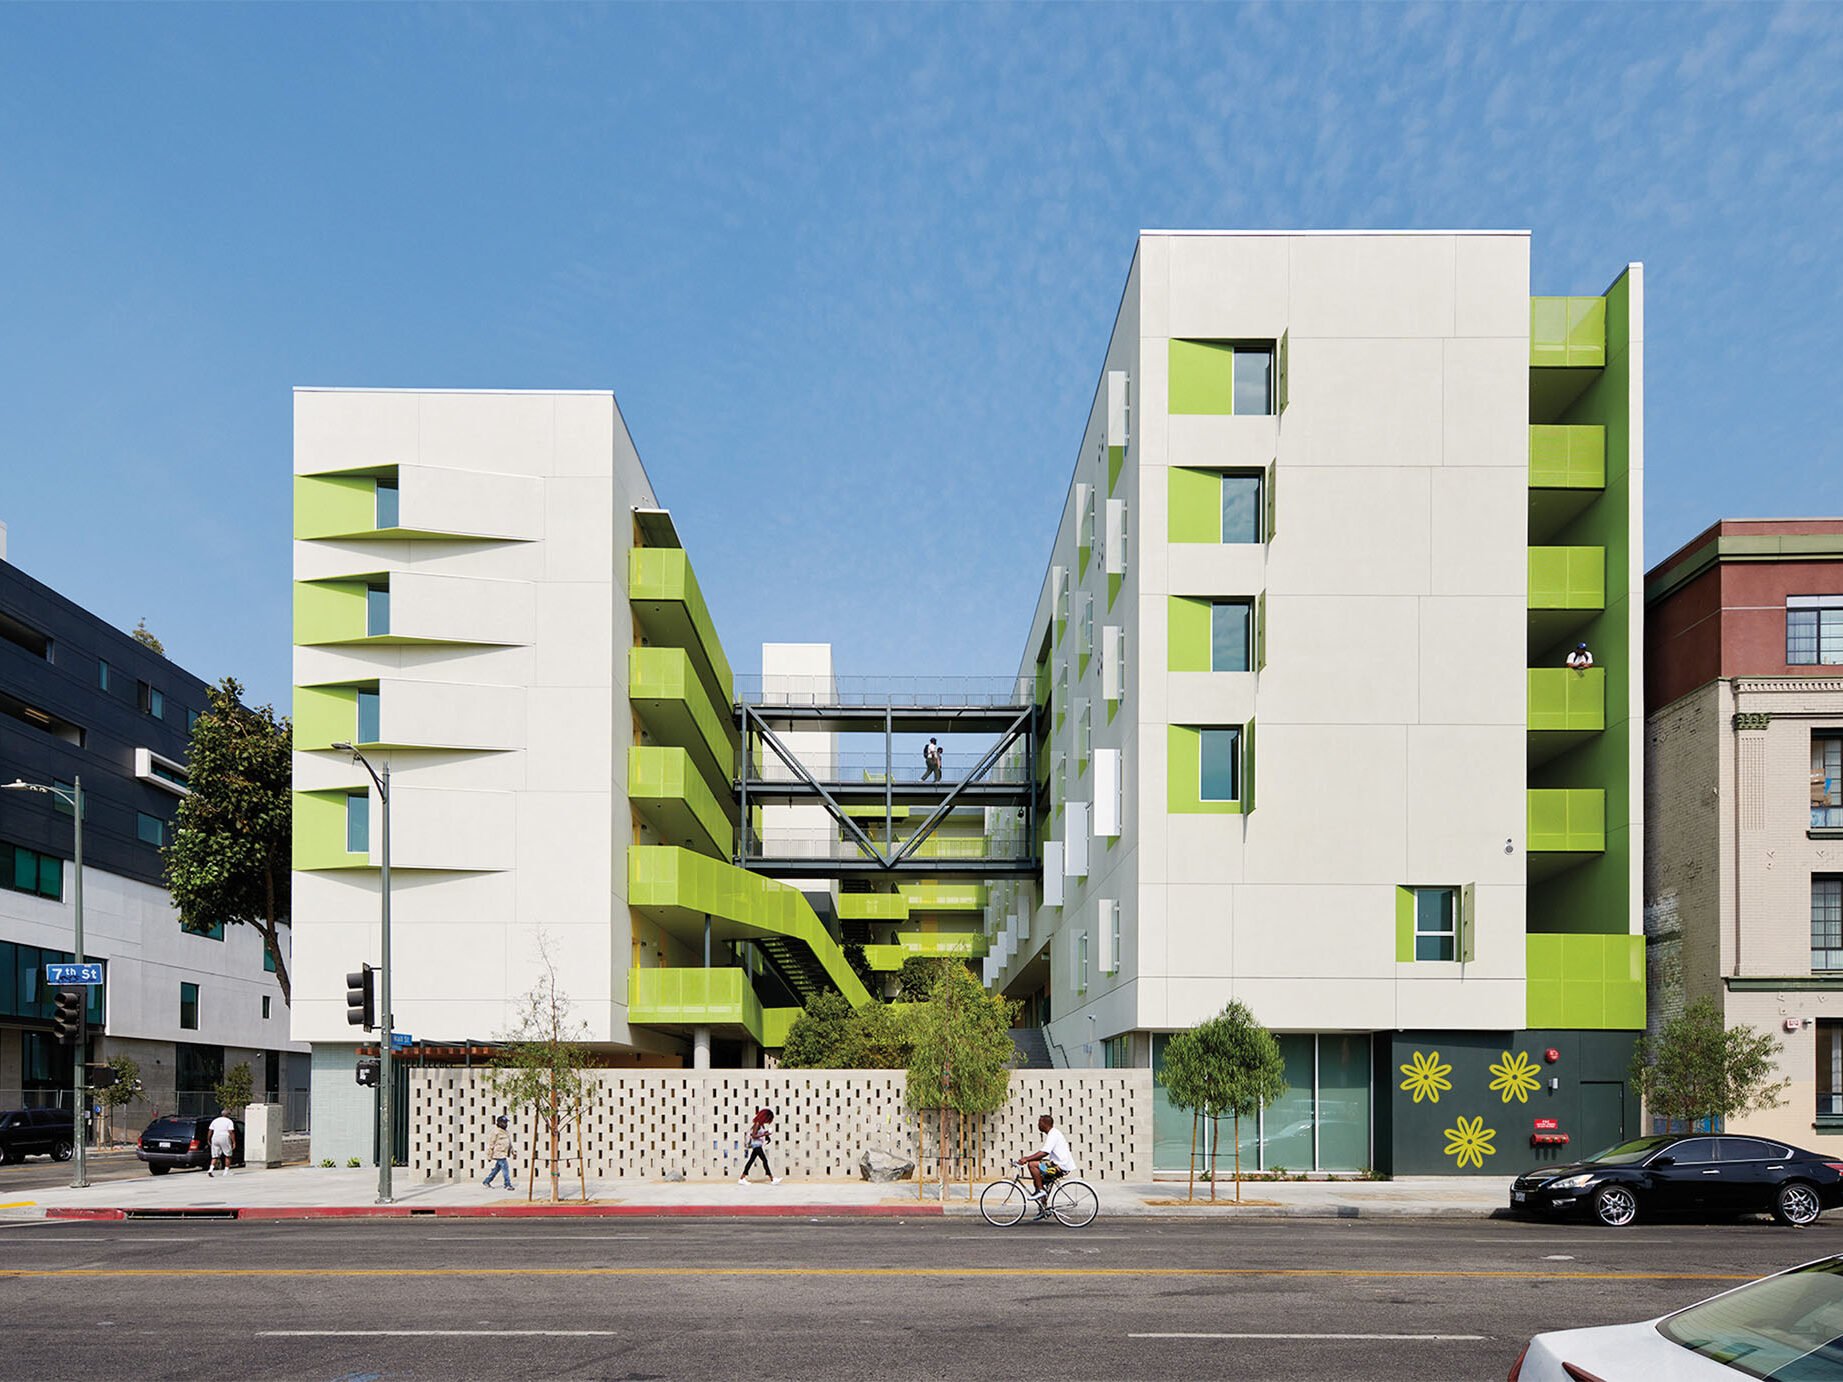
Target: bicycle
[(1070, 1199)]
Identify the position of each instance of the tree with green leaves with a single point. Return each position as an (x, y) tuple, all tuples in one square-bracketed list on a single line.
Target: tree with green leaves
[(963, 1053), (237, 1090), (919, 974), (541, 1063), (832, 1035), (232, 845), (124, 1089), (1227, 1067), (145, 637), (1698, 1067)]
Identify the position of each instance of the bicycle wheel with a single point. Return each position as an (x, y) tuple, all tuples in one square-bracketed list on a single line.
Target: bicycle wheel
[(1003, 1203), (1075, 1204)]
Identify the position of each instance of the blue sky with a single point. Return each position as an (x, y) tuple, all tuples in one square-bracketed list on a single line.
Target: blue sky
[(849, 271)]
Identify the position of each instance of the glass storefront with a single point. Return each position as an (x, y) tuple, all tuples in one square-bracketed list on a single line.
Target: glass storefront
[(1321, 1123)]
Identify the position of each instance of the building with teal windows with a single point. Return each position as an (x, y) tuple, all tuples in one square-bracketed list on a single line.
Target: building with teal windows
[(1293, 724)]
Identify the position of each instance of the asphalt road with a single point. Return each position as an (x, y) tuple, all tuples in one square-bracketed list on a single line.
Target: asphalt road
[(1341, 1301), (42, 1173)]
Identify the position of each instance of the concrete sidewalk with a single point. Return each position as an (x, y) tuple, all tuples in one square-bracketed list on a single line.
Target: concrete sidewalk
[(314, 1192)]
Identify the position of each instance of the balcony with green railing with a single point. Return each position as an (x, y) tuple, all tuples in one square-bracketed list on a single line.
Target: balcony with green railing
[(1567, 332), (944, 897), (1565, 702), (673, 797), (720, 998), (928, 945), (873, 907), (670, 609), (1567, 473), (1565, 826), (1567, 588), (1586, 982), (671, 701)]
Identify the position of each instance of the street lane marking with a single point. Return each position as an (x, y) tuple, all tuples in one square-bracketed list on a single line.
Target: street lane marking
[(435, 1334), (20, 1204), (1378, 1338), (860, 1272), (533, 1237)]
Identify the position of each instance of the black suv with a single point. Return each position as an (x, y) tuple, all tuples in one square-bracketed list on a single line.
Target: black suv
[(177, 1141), (28, 1132)]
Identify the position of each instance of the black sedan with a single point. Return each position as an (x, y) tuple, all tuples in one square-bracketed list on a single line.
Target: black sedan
[(175, 1141), (1697, 1174)]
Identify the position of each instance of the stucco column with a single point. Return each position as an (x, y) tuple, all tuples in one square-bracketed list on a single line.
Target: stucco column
[(700, 1048)]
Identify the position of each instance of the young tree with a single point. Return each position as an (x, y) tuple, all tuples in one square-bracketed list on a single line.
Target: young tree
[(125, 1089), (541, 1062), (831, 1035), (1230, 1068), (237, 1090), (962, 1054), (1699, 1068), (145, 637), (230, 856)]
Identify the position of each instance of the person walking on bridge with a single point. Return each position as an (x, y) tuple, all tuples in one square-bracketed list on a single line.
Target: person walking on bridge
[(931, 757)]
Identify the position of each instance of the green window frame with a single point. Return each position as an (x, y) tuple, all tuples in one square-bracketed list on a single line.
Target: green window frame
[(188, 1006)]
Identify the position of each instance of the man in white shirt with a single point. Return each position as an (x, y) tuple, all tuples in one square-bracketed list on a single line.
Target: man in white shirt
[(223, 1142), (1580, 659), (1053, 1162)]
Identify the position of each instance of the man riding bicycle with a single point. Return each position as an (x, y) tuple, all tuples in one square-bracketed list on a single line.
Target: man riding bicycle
[(1051, 1164)]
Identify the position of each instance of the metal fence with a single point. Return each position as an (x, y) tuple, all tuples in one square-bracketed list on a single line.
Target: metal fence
[(896, 692), (859, 768), (828, 844), (119, 1125)]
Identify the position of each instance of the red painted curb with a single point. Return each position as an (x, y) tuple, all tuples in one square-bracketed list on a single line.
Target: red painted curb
[(257, 1213)]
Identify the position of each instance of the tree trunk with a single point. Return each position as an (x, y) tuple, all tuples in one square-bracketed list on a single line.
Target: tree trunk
[(531, 1186), (273, 944), (556, 1180), (582, 1166), (1215, 1146), (921, 1153), (942, 1150), (1238, 1158), (1194, 1116)]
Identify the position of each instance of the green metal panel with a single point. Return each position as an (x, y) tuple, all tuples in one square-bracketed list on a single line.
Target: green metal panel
[(325, 715), (944, 897), (1116, 462), (1586, 981), (672, 796), (320, 833), (698, 997), (1468, 923), (679, 889), (1202, 377), (328, 612), (1260, 631), (670, 607), (1282, 369), (1567, 332), (1560, 699), (1270, 490), (1567, 457), (331, 506), (671, 701), (1184, 772), (1567, 820), (1404, 926), (1195, 513), (1247, 766), (873, 907), (1567, 578), (1187, 634)]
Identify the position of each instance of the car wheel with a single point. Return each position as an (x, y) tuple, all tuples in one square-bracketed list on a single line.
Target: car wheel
[(6, 1156), (61, 1149), (1615, 1206), (1796, 1204), (154, 1168)]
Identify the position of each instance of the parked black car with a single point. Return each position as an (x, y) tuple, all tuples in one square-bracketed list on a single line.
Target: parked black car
[(1695, 1174), (28, 1132), (176, 1141)]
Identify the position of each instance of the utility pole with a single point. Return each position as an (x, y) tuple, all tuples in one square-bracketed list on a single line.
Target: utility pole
[(388, 1026)]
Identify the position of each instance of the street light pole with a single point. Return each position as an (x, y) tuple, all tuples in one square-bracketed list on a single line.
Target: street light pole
[(387, 1018), (80, 1113)]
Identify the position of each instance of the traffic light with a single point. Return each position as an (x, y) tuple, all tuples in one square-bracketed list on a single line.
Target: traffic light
[(361, 1003), (67, 1019), (101, 1076), (367, 1073)]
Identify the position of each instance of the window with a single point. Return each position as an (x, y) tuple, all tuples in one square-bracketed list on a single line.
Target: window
[(152, 701), (358, 822), (1231, 636), (387, 504), (1693, 1152), (213, 932), (102, 674), (1241, 506), (1221, 377), (367, 717), (1117, 1051), (1253, 381), (25, 870), (1750, 1149), (25, 636), (188, 1007), (61, 806), (1826, 781), (191, 720), (265, 997), (1220, 765), (268, 959), (1829, 1069), (377, 611), (1436, 923), (1826, 922), (150, 830), (1814, 630)]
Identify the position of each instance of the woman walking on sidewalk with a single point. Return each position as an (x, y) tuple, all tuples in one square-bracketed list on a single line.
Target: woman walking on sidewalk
[(761, 1133)]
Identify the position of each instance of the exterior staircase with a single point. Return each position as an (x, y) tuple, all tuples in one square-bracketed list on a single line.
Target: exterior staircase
[(1032, 1049)]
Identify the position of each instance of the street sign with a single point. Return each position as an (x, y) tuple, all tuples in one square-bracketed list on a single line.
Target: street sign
[(399, 1040), (74, 974)]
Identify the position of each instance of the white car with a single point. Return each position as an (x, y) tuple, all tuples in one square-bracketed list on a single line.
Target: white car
[(1786, 1328)]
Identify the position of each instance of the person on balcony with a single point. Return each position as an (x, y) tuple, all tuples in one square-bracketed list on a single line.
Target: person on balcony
[(1580, 659)]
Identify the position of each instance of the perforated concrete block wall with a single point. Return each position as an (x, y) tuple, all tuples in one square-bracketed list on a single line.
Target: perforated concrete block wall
[(640, 1125)]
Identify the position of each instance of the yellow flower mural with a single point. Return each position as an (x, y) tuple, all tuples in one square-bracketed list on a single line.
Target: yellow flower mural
[(1516, 1076), (1470, 1142), (1426, 1076)]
